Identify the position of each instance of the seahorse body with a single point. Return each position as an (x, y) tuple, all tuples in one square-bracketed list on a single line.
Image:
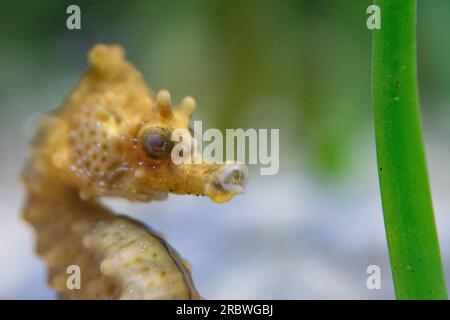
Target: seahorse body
[(111, 137)]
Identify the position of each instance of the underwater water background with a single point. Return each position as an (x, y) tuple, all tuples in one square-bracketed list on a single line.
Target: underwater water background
[(301, 66)]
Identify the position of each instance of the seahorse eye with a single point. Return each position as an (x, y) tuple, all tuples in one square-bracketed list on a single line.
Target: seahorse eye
[(157, 143)]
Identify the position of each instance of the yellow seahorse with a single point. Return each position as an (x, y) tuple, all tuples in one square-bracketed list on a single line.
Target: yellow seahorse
[(112, 137)]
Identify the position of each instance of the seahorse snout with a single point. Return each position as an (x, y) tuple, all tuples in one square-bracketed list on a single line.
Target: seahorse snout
[(229, 180), (233, 178)]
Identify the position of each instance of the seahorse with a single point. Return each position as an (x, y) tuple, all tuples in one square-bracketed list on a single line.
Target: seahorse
[(112, 137)]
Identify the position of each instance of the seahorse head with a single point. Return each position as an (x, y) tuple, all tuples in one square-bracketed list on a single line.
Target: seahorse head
[(120, 138)]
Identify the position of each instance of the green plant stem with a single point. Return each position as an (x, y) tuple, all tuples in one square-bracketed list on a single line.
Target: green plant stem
[(408, 213)]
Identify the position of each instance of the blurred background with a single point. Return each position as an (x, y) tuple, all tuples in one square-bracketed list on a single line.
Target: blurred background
[(309, 232)]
